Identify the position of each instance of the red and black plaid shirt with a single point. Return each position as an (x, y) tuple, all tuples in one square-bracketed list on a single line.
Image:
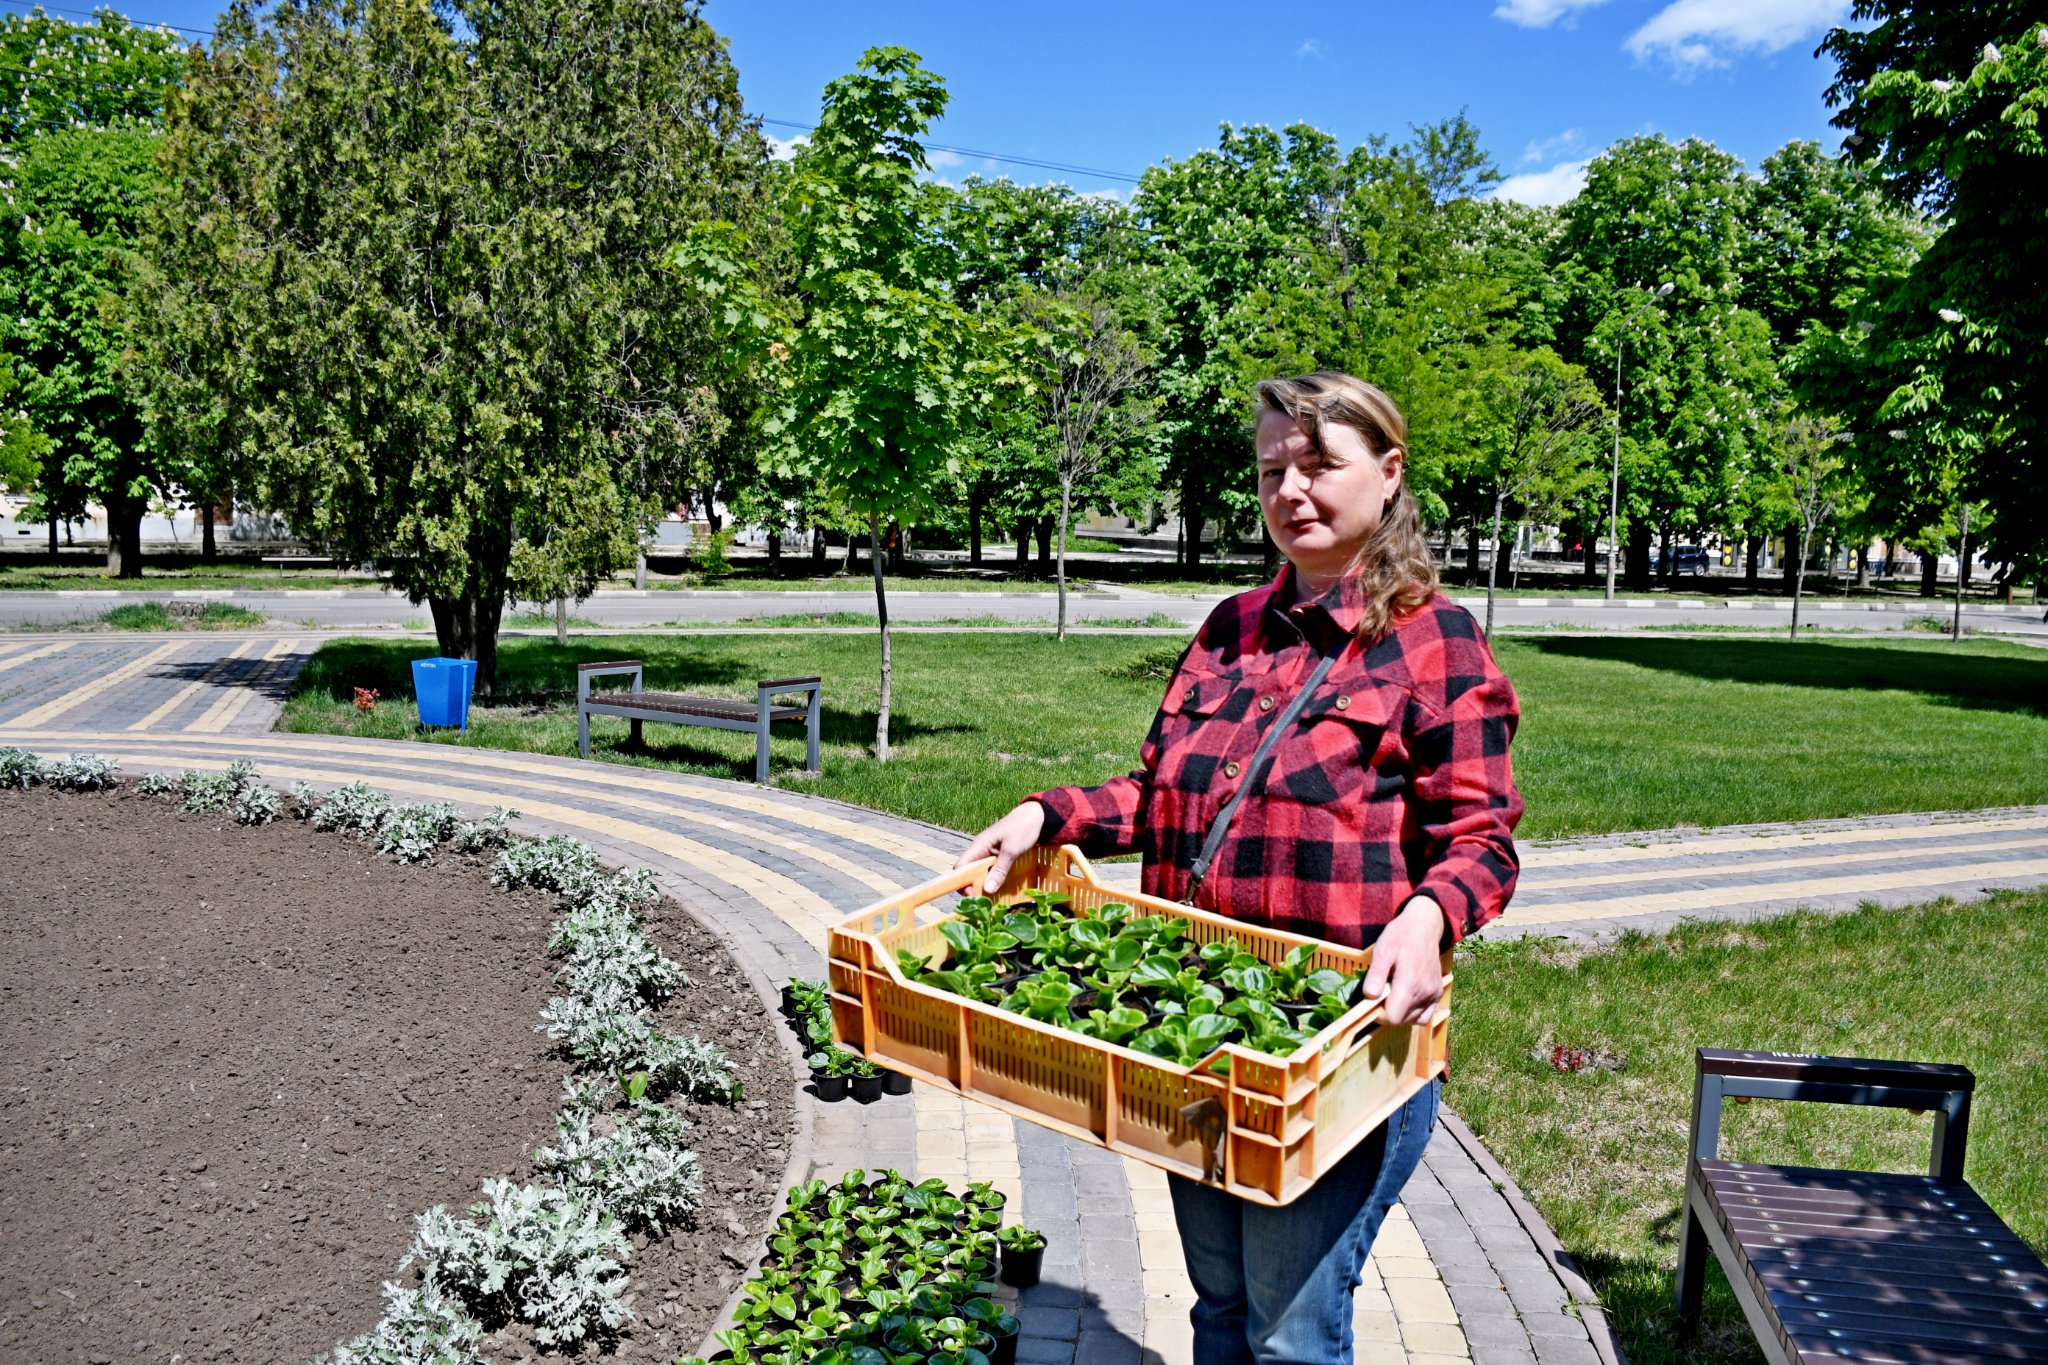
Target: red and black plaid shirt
[(1395, 783)]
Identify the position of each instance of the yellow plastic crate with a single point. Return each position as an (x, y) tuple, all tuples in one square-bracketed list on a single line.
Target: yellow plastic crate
[(1265, 1131)]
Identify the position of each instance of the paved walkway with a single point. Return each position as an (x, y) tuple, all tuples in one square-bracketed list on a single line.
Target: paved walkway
[(1463, 1272)]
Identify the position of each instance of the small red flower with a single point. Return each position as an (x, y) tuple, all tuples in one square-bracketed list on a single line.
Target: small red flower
[(366, 699)]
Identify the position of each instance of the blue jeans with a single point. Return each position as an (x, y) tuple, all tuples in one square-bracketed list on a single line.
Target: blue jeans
[(1273, 1286)]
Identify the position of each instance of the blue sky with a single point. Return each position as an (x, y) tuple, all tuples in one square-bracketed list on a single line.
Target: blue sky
[(1118, 85)]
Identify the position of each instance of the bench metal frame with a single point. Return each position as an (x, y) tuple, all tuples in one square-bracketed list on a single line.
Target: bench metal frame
[(618, 703), (1723, 1074)]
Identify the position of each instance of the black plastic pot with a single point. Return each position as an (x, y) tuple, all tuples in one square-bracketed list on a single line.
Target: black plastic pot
[(1020, 1268), (831, 1089), (1005, 1352), (895, 1083), (867, 1089)]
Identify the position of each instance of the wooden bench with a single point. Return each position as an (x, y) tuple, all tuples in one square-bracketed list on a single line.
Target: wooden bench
[(636, 704), (1834, 1267)]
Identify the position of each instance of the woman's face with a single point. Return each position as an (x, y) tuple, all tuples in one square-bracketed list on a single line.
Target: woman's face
[(1322, 505)]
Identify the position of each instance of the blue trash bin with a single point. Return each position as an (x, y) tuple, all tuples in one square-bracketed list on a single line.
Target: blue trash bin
[(443, 687)]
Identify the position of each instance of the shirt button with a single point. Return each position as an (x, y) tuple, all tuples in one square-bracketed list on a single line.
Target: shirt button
[(1230, 770), (1265, 703), (1188, 695), (1343, 703)]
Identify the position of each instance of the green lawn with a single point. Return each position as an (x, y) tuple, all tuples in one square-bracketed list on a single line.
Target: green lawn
[(157, 616), (73, 577), (1602, 1153), (1619, 732)]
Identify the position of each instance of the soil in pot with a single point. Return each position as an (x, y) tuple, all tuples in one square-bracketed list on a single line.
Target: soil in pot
[(233, 1071)]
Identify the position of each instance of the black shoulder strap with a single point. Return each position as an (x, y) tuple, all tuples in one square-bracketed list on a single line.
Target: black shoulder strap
[(1255, 773)]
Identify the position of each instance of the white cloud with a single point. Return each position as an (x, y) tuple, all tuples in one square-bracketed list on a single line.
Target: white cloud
[(1558, 185), (1540, 13), (1309, 48), (1551, 148), (938, 159), (1695, 34), (782, 149)]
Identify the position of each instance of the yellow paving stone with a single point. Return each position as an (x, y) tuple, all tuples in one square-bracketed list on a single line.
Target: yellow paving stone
[(1379, 1353), (1370, 1276), (1167, 1284), (1162, 1253), (1427, 1358), (1715, 897), (1406, 1267), (1376, 1327), (84, 692), (1369, 1300), (1421, 1301), (1689, 848), (1150, 1221), (211, 678), (1846, 857), (1434, 1338)]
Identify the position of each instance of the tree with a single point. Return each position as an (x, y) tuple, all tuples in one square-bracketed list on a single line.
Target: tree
[(458, 226), (79, 108), (1705, 378), (1941, 103), (1093, 368), (883, 363), (1810, 469), (1536, 451)]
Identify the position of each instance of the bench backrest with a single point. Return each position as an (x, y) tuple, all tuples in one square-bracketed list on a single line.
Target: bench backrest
[(1726, 1073)]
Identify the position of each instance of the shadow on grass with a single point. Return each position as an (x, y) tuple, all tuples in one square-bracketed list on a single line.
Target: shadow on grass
[(1637, 1295), (536, 673), (1966, 680)]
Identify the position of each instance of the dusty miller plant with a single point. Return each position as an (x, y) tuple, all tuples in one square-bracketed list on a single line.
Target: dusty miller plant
[(19, 768), (357, 808), (618, 964), (423, 1326), (552, 864), (79, 773), (215, 791), (476, 836), (411, 832), (161, 784), (634, 1162), (546, 1257), (257, 804)]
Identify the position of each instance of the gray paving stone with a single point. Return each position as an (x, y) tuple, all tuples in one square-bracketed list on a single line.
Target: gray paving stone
[(1486, 1329), (1046, 1320), (1480, 1300), (1107, 1348), (1565, 1350), (1501, 1354), (1045, 1350), (1552, 1321)]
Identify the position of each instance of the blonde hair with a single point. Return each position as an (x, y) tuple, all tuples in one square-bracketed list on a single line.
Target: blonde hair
[(1397, 572)]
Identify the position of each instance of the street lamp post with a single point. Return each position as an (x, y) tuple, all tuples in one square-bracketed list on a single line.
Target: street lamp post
[(1614, 481)]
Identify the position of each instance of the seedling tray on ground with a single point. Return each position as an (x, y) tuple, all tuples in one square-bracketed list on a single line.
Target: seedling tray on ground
[(1263, 1128)]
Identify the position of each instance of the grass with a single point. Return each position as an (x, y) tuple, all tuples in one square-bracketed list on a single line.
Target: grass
[(1618, 733), (1602, 1153), (545, 620), (157, 616)]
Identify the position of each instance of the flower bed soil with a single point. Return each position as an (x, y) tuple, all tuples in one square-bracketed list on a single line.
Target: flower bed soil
[(236, 1062)]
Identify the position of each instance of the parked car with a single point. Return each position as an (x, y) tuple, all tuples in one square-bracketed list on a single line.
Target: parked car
[(1686, 559)]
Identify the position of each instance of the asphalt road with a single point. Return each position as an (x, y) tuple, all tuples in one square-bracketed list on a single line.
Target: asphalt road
[(318, 609)]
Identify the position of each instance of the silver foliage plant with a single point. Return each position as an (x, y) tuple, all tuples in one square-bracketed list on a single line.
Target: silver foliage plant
[(421, 1326), (634, 1162), (477, 836), (411, 832), (547, 1257), (257, 804), (357, 808), (77, 772), (19, 768)]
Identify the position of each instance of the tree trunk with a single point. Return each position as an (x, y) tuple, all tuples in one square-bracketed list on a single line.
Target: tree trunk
[(1589, 544), (1191, 533), (1664, 566), (1473, 535), (818, 549), (466, 627), (1023, 542), (1799, 582), (1955, 631), (1492, 579), (53, 540), (774, 554), (208, 552), (1753, 549), (882, 615), (562, 620), (976, 500), (1043, 530), (1066, 510), (896, 539), (1636, 562), (851, 540), (1930, 574), (1793, 569), (1503, 552), (124, 537), (1863, 565)]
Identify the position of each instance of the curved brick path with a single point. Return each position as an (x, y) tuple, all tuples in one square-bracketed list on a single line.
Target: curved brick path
[(1464, 1271)]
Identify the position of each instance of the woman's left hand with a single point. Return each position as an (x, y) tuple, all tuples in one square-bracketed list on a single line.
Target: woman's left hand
[(1407, 963)]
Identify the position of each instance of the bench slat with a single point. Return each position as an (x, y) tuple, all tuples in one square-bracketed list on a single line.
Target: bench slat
[(722, 708), (788, 682), (1846, 1274)]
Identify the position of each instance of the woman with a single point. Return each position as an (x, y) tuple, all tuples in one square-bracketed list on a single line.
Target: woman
[(1384, 816)]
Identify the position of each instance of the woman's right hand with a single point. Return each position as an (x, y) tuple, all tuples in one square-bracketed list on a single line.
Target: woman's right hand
[(1008, 839)]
